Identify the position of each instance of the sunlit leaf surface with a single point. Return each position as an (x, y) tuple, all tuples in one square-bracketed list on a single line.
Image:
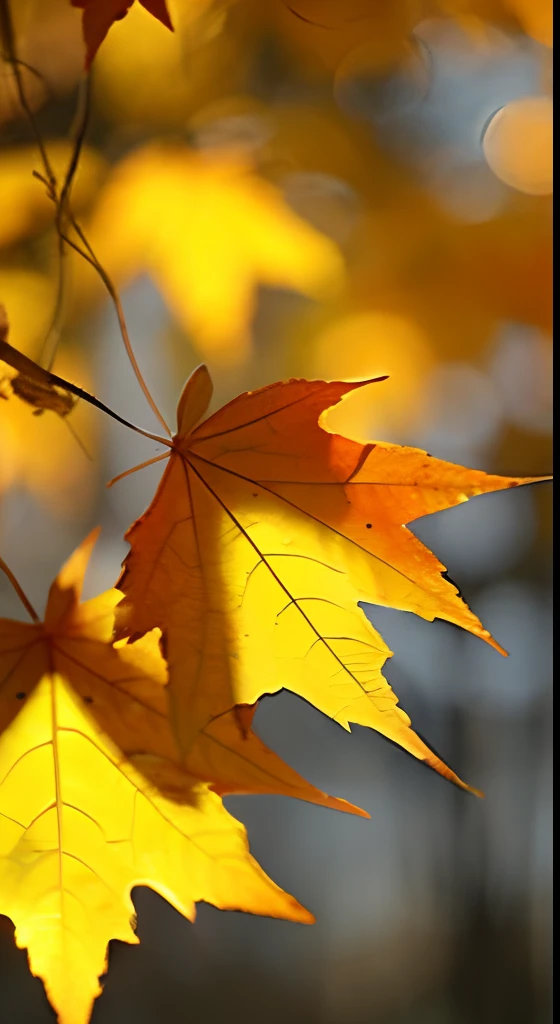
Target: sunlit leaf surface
[(94, 798), (265, 533)]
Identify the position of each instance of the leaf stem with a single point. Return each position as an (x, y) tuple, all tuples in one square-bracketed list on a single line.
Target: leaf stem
[(60, 382), (134, 469), (19, 591), (30, 369)]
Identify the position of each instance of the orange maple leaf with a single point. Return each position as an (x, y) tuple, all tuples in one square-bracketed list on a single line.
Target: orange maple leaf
[(99, 15), (94, 798), (265, 533)]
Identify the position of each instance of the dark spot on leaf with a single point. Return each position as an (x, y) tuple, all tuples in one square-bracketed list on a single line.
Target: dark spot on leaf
[(255, 495), (368, 526), (20, 696), (88, 700)]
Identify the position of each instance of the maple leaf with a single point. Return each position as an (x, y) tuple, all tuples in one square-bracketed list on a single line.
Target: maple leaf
[(94, 799), (99, 15), (265, 533), (209, 230)]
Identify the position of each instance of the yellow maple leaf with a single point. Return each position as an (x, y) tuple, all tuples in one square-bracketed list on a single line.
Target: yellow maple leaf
[(94, 800), (209, 230), (265, 533)]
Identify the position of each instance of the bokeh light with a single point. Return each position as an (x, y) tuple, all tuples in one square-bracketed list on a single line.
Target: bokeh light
[(518, 145)]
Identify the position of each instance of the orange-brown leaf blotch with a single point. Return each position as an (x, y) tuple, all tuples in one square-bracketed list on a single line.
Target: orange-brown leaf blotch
[(99, 15), (265, 533)]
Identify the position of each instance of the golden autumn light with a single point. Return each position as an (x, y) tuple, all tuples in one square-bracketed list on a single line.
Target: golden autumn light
[(69, 857), (328, 549)]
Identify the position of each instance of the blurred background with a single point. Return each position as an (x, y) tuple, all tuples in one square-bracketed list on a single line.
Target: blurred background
[(321, 189)]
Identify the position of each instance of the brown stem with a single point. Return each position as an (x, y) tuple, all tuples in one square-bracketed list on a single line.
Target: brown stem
[(62, 204), (141, 465), (19, 591), (8, 37), (26, 366)]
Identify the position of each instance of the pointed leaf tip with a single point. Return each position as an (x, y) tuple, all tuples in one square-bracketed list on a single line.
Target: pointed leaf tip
[(195, 399), (66, 589)]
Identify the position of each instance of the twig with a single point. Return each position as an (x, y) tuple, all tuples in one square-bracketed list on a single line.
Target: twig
[(62, 203), (19, 591), (26, 366), (7, 33)]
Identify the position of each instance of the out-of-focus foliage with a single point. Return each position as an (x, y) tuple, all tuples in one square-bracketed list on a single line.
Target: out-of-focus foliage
[(209, 231), (99, 15), (29, 210), (41, 454), (49, 45)]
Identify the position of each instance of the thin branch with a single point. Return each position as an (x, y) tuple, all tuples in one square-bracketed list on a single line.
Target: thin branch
[(8, 37), (62, 205), (19, 591), (48, 349), (77, 438), (52, 337), (92, 259), (80, 393), (30, 369)]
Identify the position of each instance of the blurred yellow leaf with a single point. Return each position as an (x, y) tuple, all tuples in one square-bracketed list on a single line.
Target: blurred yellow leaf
[(40, 454), (209, 231), (147, 75), (100, 15), (27, 298), (535, 16), (29, 209)]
